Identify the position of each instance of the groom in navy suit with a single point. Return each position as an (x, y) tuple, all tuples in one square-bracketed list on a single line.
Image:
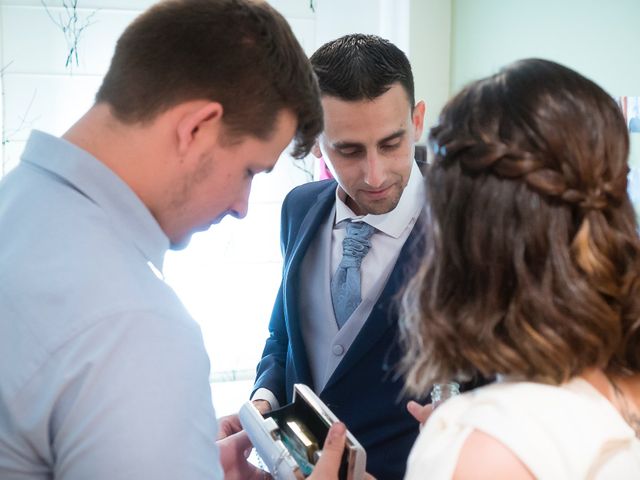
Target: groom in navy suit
[(371, 124)]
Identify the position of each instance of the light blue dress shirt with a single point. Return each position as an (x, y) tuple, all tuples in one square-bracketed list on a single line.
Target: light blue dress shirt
[(103, 373)]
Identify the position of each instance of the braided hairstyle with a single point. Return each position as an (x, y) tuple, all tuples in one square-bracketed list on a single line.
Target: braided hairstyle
[(533, 259)]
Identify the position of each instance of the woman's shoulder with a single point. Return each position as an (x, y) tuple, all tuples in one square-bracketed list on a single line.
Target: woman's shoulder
[(551, 429)]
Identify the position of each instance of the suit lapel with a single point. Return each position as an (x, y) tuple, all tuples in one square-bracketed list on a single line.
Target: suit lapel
[(307, 231), (383, 319), (308, 228)]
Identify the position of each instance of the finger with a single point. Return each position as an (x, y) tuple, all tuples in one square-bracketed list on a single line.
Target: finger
[(329, 463), (228, 425), (242, 440), (224, 432), (414, 409), (420, 412), (238, 442)]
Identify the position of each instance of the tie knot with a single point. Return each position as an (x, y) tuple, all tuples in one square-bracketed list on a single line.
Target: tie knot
[(356, 243), (360, 230)]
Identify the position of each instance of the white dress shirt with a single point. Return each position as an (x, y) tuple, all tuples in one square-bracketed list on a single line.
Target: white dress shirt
[(392, 230)]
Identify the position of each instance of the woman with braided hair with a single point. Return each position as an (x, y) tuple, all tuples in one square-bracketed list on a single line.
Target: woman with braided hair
[(532, 275)]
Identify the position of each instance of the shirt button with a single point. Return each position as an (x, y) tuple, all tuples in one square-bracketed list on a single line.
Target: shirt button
[(338, 350)]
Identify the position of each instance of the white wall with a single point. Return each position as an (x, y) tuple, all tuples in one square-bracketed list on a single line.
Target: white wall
[(597, 38), (430, 54), (387, 18), (37, 90)]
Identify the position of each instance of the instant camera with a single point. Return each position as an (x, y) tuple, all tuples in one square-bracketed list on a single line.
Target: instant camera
[(289, 440)]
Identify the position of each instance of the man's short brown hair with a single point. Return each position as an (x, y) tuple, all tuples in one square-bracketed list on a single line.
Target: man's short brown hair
[(239, 53)]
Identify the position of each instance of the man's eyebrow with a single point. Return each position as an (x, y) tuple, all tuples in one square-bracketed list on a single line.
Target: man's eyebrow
[(346, 144), (388, 138), (393, 136)]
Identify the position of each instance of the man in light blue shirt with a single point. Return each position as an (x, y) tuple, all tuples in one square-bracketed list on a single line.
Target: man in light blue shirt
[(103, 373)]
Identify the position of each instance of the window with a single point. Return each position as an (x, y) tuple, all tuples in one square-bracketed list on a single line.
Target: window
[(228, 278)]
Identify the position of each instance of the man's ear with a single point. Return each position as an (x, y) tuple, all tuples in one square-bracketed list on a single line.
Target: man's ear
[(316, 149), (201, 123), (417, 119)]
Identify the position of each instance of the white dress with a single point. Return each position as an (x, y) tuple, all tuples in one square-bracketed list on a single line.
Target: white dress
[(558, 432)]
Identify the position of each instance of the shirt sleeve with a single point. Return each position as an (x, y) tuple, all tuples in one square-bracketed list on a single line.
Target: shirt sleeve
[(265, 394), (132, 400)]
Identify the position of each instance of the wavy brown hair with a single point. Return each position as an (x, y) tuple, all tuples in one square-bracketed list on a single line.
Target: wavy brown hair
[(533, 260)]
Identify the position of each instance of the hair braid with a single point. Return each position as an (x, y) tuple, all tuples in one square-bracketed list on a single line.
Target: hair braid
[(534, 268)]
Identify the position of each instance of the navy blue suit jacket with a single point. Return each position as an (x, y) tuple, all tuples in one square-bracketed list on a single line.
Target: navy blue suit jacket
[(364, 391)]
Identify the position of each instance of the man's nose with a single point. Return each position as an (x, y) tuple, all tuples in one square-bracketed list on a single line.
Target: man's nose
[(374, 170), (240, 207)]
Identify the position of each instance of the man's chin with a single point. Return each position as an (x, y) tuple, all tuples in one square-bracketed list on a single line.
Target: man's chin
[(380, 207), (181, 243), (371, 205)]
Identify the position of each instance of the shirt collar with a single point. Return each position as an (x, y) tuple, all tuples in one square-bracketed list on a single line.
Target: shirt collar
[(397, 220), (131, 218)]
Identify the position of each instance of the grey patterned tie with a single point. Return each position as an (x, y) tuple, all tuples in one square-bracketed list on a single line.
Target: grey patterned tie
[(345, 284)]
